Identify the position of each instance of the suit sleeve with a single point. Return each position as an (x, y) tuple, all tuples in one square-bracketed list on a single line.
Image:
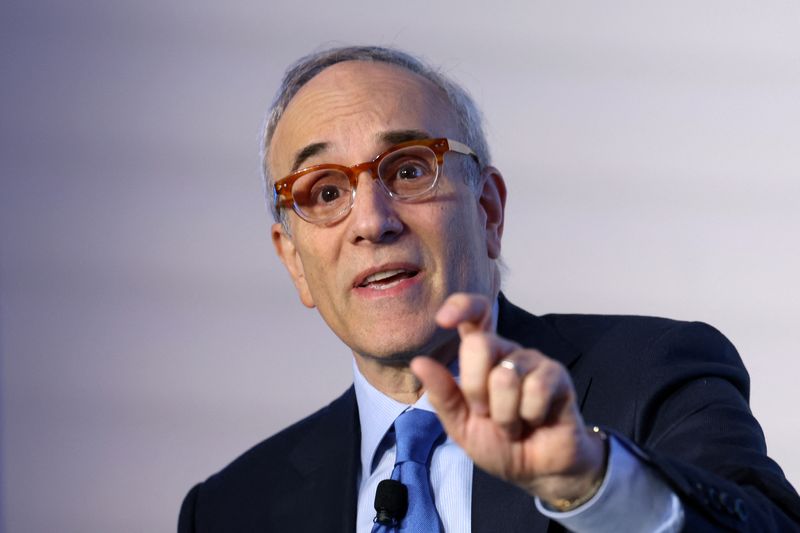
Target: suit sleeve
[(186, 518), (695, 428)]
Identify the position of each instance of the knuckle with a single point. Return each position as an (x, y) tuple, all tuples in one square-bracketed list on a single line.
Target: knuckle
[(503, 410), (551, 371), (533, 411), (507, 422), (503, 378), (534, 387), (536, 354)]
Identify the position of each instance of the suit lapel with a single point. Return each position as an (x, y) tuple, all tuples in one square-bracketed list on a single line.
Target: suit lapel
[(533, 332), (497, 505), (530, 331), (327, 455)]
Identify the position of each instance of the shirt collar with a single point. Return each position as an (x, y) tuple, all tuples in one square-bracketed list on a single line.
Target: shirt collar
[(376, 414), (377, 411)]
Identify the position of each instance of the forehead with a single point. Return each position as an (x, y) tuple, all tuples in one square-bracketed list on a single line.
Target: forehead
[(348, 106)]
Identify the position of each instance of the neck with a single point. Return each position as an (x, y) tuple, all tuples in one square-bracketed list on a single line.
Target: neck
[(394, 378)]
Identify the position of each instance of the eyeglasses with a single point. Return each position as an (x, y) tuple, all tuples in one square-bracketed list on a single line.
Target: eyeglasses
[(325, 193)]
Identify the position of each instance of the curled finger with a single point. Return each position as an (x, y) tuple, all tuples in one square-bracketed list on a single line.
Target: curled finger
[(478, 354), (542, 390), (505, 392)]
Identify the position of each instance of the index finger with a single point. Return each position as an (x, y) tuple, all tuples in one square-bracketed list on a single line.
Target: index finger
[(468, 312)]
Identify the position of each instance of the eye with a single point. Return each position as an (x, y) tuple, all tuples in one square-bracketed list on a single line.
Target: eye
[(408, 168), (325, 194), (410, 171), (321, 189)]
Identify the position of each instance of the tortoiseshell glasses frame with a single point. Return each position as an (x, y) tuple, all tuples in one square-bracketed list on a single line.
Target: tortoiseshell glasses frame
[(325, 193)]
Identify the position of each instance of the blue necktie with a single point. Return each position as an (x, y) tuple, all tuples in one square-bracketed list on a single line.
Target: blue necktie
[(416, 431)]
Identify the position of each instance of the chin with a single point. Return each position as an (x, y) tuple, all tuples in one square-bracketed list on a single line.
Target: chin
[(400, 350)]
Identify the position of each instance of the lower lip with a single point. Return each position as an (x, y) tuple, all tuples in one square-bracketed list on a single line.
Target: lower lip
[(395, 289)]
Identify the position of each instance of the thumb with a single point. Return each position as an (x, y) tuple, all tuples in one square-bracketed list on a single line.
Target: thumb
[(444, 394)]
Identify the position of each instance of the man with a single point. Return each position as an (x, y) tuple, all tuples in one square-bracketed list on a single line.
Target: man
[(399, 255)]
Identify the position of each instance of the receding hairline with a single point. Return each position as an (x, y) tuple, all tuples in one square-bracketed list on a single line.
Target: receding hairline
[(337, 69)]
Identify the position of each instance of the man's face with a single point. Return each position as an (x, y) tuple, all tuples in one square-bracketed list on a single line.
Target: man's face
[(426, 249)]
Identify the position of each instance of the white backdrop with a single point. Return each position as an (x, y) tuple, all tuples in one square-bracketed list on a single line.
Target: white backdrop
[(148, 335)]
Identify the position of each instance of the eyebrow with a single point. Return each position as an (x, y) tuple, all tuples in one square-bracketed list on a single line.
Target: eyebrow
[(400, 136), (309, 151), (390, 138)]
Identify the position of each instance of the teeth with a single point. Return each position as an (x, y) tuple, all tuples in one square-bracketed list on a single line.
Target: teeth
[(378, 276)]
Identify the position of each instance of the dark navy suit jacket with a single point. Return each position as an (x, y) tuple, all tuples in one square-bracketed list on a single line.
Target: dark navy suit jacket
[(676, 389)]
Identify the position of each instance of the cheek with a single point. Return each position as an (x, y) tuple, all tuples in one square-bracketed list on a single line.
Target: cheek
[(318, 257), (462, 243), (318, 276)]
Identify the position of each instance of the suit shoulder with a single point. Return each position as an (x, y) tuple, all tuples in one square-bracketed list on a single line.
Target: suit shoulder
[(268, 459), (643, 335), (255, 490)]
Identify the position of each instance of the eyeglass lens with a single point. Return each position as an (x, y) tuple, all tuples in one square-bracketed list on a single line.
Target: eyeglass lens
[(326, 193)]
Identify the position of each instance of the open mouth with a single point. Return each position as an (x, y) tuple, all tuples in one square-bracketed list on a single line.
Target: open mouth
[(387, 278)]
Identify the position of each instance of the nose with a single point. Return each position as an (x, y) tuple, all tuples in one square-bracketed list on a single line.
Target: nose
[(373, 217)]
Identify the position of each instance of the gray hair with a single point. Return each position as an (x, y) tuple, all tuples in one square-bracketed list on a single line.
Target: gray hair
[(469, 118)]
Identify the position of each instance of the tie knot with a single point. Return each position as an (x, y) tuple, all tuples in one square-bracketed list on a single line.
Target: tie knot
[(416, 430)]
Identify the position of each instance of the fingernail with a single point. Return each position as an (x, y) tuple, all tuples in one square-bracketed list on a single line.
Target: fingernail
[(447, 313)]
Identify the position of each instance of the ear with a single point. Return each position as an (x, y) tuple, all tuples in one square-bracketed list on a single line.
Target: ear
[(290, 257), (493, 201)]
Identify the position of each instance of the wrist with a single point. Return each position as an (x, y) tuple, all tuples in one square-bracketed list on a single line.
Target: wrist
[(578, 490)]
